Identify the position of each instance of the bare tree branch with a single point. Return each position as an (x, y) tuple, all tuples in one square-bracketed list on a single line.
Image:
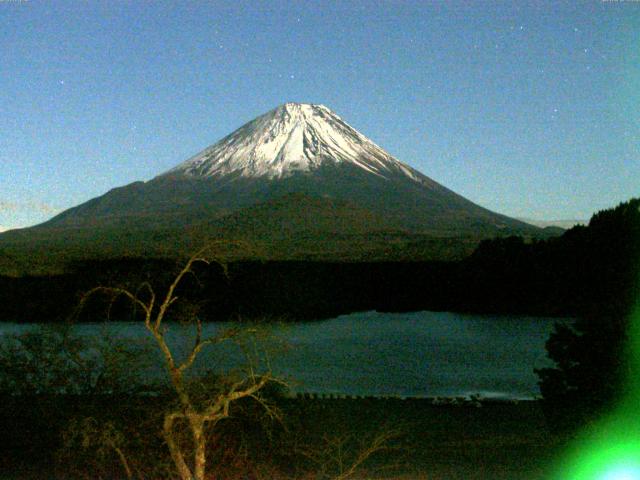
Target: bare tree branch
[(195, 416)]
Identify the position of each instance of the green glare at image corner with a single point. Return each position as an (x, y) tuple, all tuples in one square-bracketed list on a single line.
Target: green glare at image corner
[(610, 458), (610, 450)]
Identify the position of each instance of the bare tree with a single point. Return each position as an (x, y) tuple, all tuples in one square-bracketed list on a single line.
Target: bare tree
[(190, 461), (342, 456)]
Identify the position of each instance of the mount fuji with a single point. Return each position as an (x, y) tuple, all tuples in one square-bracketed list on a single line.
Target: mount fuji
[(298, 170)]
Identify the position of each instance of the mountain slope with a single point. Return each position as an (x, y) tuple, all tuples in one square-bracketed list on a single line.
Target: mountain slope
[(295, 149)]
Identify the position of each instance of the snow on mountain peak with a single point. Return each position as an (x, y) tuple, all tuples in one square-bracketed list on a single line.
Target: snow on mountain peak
[(292, 137)]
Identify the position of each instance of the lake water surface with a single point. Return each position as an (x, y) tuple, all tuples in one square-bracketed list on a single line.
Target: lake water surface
[(406, 354)]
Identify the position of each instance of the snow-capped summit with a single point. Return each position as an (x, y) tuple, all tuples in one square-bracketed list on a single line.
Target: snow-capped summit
[(292, 137)]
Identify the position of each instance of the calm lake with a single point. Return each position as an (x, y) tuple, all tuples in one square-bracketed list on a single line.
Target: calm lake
[(420, 354)]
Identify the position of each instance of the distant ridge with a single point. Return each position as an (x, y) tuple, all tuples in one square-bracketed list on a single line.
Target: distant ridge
[(564, 224)]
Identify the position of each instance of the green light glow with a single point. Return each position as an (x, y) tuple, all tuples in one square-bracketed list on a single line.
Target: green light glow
[(610, 449), (625, 472), (609, 455)]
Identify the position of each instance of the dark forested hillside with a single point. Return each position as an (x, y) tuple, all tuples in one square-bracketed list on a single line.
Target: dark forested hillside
[(588, 267), (583, 269)]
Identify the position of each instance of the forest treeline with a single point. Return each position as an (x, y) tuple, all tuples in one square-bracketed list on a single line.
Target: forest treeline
[(566, 275)]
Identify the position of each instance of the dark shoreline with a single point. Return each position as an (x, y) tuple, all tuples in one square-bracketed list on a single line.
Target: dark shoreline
[(497, 440), (289, 290)]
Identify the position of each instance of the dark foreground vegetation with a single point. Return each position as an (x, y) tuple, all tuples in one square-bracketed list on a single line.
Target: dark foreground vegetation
[(315, 437)]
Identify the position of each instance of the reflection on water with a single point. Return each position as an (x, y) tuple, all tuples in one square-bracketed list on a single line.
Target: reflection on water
[(405, 354)]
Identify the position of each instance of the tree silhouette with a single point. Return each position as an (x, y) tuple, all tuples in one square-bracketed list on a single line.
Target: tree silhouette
[(193, 412), (591, 365)]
